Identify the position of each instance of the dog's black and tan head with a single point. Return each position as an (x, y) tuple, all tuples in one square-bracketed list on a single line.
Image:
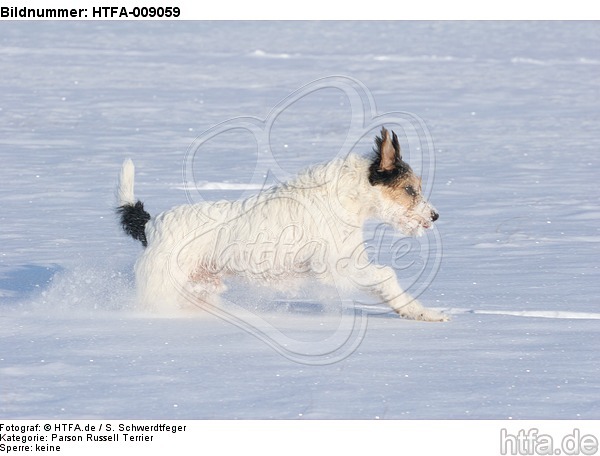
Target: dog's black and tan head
[(403, 203)]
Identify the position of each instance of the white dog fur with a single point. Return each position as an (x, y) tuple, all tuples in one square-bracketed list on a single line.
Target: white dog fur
[(308, 228)]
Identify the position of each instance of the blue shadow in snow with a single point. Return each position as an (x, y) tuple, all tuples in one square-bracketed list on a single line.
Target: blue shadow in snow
[(22, 282)]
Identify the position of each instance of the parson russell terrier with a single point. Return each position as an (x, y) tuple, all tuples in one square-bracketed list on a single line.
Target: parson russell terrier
[(308, 228)]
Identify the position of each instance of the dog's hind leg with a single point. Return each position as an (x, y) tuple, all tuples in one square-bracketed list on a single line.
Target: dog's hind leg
[(159, 288), (205, 289)]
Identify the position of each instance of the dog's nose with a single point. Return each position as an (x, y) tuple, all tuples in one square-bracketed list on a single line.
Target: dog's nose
[(434, 216)]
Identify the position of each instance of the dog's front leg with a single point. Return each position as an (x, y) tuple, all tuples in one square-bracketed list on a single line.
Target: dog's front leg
[(382, 282)]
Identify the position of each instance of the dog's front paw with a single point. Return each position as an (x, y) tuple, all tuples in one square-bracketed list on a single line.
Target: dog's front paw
[(432, 315), (426, 315)]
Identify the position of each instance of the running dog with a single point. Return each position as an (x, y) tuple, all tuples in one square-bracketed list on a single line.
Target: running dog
[(308, 228)]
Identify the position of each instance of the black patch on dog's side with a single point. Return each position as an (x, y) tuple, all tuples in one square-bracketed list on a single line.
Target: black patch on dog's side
[(133, 221)]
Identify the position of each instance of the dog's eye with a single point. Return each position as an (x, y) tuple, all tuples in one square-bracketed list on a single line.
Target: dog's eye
[(410, 190)]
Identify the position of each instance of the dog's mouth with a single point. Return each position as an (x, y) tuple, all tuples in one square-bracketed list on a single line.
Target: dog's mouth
[(413, 224), (425, 223), (416, 228)]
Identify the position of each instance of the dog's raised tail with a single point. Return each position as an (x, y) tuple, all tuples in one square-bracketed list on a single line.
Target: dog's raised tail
[(131, 212)]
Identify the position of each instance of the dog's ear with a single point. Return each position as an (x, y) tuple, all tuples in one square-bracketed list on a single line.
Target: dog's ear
[(396, 145), (388, 151)]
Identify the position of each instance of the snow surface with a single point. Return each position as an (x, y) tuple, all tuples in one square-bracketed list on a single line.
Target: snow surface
[(513, 111)]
